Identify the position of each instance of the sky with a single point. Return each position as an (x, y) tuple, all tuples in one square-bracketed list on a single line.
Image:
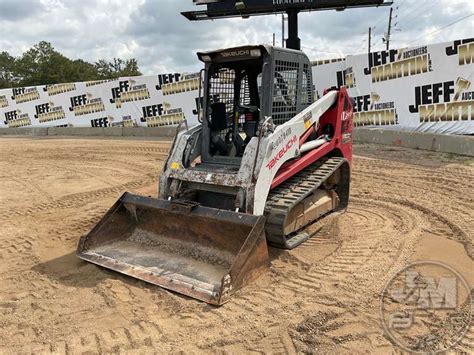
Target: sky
[(155, 33)]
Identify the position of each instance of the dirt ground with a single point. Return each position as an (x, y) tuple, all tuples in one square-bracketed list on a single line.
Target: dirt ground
[(324, 296)]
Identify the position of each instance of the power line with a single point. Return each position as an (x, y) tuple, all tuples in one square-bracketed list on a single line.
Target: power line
[(410, 11), (442, 28), (413, 14)]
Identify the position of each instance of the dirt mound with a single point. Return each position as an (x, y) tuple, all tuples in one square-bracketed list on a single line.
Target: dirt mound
[(321, 297)]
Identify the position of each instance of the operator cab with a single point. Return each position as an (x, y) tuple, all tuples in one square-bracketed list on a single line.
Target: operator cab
[(244, 85)]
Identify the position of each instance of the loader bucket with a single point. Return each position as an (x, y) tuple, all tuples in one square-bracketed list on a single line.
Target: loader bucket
[(201, 252)]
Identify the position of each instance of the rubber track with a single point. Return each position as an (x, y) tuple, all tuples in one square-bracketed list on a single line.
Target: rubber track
[(286, 196)]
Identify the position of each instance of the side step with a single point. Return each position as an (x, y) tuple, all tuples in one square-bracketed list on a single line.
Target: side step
[(297, 202)]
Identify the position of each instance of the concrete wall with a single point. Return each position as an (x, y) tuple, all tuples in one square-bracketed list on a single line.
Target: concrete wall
[(158, 132), (462, 145)]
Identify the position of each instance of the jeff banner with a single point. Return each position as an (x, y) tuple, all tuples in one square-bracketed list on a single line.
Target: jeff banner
[(425, 88), (150, 101)]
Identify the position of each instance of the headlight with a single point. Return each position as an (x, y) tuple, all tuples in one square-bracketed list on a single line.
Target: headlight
[(255, 53), (205, 58)]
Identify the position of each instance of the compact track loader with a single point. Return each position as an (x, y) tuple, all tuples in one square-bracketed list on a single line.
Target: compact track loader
[(265, 162)]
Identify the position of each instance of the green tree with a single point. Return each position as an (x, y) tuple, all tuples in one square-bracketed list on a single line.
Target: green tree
[(43, 65), (80, 70), (7, 70), (117, 68)]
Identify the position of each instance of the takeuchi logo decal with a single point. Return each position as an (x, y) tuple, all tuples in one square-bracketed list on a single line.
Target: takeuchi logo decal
[(370, 111), (464, 49), (284, 137), (394, 64), (444, 101)]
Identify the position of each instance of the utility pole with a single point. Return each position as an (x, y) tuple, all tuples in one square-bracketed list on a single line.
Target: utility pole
[(273, 39), (387, 39), (370, 39), (282, 30)]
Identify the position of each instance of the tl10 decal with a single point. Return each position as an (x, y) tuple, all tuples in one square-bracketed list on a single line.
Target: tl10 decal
[(446, 101), (83, 105), (394, 64), (464, 49), (368, 111), (48, 112)]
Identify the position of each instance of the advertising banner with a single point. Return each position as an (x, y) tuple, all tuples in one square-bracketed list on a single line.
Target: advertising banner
[(149, 101), (425, 88)]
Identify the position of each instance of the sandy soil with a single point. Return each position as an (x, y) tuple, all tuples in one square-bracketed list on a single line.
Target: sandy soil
[(324, 296)]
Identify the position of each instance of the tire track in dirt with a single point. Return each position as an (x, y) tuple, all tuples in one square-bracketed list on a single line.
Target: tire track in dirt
[(75, 200), (437, 170), (374, 241), (423, 180), (96, 177), (322, 296), (464, 221), (316, 285), (142, 336), (28, 184)]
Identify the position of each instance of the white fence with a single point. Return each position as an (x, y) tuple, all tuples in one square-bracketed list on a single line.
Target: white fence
[(427, 88), (152, 101)]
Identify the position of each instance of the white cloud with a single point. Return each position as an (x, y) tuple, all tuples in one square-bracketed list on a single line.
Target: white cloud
[(154, 32)]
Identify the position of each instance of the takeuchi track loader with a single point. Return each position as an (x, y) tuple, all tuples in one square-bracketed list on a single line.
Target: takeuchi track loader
[(266, 161)]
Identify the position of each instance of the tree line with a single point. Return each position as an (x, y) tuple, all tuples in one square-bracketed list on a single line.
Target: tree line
[(43, 65)]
